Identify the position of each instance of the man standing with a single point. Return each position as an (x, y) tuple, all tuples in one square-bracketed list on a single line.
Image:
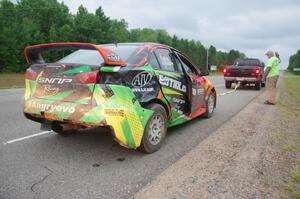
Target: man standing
[(271, 74)]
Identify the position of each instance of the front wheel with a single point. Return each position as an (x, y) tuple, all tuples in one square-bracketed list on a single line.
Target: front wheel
[(210, 105), (155, 130)]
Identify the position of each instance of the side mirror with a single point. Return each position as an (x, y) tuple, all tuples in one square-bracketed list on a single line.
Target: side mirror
[(204, 72)]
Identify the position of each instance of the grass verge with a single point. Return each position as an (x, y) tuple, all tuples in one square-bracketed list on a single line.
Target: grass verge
[(292, 85), (290, 144), (12, 80)]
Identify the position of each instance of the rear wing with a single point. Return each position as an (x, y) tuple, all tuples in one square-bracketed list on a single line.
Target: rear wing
[(33, 54)]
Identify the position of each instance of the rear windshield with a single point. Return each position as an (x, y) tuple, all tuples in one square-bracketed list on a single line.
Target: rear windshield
[(248, 62), (92, 57)]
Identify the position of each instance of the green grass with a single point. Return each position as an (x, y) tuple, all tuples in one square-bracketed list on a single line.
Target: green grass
[(296, 175), (290, 100), (287, 147), (12, 80), (296, 178), (292, 85), (289, 187), (280, 136)]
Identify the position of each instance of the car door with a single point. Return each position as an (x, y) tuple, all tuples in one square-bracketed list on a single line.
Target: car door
[(174, 84), (195, 85)]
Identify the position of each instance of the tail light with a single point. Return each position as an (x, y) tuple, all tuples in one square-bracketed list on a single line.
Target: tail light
[(224, 70), (30, 74), (87, 78), (257, 71)]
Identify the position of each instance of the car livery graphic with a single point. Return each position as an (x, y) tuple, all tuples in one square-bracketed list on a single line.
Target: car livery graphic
[(138, 90)]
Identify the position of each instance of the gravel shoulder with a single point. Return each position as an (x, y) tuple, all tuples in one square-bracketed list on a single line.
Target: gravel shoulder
[(253, 155)]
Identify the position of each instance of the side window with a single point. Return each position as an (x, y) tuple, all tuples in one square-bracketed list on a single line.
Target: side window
[(177, 62), (188, 67), (153, 61), (166, 61)]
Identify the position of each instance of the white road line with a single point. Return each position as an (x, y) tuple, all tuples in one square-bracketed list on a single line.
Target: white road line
[(232, 91), (26, 137)]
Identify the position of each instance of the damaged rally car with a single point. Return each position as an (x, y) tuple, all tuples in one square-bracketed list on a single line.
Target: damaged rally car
[(137, 90)]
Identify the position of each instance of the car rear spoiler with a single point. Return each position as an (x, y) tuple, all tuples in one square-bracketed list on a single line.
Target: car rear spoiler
[(33, 54)]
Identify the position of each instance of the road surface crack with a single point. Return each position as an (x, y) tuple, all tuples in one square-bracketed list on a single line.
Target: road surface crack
[(42, 180)]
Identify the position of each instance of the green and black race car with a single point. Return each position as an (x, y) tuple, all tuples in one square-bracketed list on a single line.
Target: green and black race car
[(138, 90)]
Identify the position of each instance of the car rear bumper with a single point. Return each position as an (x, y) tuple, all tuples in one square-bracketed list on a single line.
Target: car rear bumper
[(111, 105), (243, 79)]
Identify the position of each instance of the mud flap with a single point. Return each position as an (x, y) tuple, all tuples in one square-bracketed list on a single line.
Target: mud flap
[(46, 126)]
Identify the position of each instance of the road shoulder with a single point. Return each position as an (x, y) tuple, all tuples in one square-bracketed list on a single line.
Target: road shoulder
[(250, 156)]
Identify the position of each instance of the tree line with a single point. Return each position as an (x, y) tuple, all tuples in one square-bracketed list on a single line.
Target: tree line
[(294, 61), (30, 22)]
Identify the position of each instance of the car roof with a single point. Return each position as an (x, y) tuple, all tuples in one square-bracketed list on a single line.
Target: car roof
[(152, 44)]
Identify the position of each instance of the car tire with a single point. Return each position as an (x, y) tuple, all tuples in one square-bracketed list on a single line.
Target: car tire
[(210, 104), (228, 84), (155, 130), (263, 84), (258, 86)]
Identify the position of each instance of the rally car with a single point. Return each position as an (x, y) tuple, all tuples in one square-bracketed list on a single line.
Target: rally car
[(137, 90)]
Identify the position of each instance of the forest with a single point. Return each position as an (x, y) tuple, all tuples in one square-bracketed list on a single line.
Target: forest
[(30, 22), (294, 61)]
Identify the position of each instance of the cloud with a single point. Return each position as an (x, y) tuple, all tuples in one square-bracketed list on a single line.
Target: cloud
[(249, 26)]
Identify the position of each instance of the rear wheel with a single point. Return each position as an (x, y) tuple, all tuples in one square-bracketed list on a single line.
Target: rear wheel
[(228, 84), (155, 130), (263, 84), (210, 105), (258, 86)]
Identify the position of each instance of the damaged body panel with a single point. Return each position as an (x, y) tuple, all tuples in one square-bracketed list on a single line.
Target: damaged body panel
[(138, 90)]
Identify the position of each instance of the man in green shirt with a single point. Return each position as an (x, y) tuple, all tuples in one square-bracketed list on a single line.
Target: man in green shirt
[(271, 74)]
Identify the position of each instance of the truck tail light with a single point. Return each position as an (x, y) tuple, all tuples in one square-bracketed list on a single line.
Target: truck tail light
[(257, 71), (224, 70)]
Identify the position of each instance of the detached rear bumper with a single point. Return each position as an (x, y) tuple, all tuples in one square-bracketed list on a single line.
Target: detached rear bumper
[(111, 105), (243, 79)]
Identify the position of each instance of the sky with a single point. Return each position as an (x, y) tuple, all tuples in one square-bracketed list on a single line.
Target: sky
[(252, 27)]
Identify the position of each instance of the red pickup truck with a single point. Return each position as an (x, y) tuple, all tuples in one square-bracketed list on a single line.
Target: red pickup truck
[(246, 71)]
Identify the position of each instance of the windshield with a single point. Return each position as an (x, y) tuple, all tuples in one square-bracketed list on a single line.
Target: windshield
[(92, 57), (248, 62)]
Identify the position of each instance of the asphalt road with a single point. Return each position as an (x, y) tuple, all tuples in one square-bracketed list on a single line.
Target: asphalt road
[(90, 164)]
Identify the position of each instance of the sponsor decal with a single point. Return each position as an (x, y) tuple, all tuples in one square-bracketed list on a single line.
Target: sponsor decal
[(141, 79), (180, 112), (54, 80), (173, 83), (197, 91), (113, 57), (114, 112), (143, 89), (49, 90), (178, 101), (51, 107)]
